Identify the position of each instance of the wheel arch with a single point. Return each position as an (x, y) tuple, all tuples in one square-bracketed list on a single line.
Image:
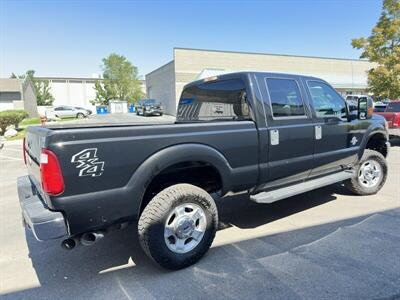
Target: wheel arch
[(376, 140), (174, 155)]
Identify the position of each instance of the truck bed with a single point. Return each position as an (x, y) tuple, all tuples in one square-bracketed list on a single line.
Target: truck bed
[(120, 149)]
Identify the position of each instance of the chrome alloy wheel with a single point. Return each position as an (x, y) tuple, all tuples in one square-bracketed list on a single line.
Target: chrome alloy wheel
[(185, 228), (370, 173)]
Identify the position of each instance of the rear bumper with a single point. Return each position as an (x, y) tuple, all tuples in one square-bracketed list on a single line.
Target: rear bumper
[(45, 224)]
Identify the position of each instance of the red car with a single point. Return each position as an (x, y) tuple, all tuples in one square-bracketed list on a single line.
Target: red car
[(392, 116)]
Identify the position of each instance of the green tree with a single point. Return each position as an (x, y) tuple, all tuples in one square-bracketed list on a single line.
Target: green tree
[(40, 87), (382, 47), (120, 81)]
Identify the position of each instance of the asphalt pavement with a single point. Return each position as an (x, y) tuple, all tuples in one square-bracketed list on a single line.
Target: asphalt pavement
[(324, 244)]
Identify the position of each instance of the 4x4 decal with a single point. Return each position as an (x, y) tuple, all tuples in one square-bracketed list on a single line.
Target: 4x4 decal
[(88, 162)]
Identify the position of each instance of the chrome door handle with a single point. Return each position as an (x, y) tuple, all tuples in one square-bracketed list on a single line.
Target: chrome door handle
[(274, 137), (318, 132)]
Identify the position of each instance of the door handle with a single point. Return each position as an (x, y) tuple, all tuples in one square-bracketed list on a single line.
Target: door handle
[(318, 132), (274, 137)]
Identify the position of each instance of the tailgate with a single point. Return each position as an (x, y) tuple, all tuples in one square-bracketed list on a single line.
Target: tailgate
[(35, 139)]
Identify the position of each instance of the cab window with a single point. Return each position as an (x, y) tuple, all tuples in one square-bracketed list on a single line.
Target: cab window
[(326, 101), (214, 101), (285, 98)]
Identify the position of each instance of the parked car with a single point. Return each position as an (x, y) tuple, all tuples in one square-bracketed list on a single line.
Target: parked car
[(392, 116), (380, 107), (149, 107), (352, 101), (270, 135), (65, 111), (356, 97), (82, 108)]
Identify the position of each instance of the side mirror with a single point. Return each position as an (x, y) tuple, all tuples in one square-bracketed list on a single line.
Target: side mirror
[(365, 108)]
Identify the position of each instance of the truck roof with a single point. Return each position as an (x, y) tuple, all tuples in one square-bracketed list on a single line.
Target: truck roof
[(248, 73)]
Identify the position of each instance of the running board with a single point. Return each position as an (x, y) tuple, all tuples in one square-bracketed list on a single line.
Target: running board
[(289, 191)]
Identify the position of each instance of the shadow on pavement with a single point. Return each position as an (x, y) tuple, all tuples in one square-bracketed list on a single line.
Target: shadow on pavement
[(117, 267), (241, 212), (395, 142)]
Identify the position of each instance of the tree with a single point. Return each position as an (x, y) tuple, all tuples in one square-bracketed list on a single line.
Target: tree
[(120, 81), (40, 87), (382, 47)]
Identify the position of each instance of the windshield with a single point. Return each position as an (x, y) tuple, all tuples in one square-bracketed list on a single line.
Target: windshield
[(150, 102)]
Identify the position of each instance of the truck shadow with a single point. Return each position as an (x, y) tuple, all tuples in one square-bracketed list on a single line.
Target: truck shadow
[(395, 142), (87, 271), (241, 212)]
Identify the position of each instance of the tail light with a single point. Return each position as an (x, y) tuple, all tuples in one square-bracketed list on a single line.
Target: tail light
[(396, 121), (24, 151), (50, 173)]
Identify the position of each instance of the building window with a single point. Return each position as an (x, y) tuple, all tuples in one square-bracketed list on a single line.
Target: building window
[(10, 96)]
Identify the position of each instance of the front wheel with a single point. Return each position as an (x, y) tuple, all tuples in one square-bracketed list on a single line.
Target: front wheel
[(370, 174), (80, 116), (178, 226)]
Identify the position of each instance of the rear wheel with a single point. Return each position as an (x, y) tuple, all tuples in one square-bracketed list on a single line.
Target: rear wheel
[(178, 226), (370, 175)]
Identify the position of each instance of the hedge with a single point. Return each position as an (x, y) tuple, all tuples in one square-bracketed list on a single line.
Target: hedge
[(11, 117)]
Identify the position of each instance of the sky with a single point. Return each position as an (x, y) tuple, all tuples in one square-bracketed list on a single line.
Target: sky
[(70, 38)]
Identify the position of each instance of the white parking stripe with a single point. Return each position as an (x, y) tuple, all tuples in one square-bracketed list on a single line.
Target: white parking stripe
[(9, 157), (12, 149)]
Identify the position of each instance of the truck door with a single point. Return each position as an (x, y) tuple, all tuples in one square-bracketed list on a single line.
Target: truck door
[(290, 131), (337, 140)]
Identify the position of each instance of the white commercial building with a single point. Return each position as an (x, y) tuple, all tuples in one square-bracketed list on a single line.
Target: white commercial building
[(166, 83), (75, 91)]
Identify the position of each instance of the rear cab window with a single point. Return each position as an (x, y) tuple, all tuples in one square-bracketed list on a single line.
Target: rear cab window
[(224, 100), (393, 107)]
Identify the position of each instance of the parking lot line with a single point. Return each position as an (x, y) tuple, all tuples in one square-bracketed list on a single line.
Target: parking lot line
[(12, 149), (9, 157)]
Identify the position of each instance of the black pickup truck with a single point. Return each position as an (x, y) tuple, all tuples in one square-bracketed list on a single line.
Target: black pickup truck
[(270, 135)]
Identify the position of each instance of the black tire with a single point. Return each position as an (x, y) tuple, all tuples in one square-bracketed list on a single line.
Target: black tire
[(161, 114), (80, 115), (154, 217), (137, 113), (354, 185)]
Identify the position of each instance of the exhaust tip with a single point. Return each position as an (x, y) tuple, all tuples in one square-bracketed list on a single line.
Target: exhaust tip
[(68, 244), (89, 238)]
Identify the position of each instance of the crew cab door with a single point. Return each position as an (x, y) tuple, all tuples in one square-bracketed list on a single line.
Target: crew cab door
[(336, 144), (290, 131)]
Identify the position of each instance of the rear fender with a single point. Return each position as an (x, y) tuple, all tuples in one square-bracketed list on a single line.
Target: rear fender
[(167, 157)]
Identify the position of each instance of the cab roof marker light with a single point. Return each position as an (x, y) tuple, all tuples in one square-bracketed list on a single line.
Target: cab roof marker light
[(212, 78)]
